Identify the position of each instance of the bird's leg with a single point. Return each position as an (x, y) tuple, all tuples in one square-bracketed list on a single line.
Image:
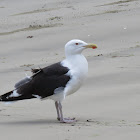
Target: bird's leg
[(64, 120), (57, 109)]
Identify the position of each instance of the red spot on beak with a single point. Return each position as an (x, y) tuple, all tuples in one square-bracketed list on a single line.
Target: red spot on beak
[(94, 47)]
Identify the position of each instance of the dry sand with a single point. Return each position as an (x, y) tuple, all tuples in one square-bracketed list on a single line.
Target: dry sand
[(33, 34)]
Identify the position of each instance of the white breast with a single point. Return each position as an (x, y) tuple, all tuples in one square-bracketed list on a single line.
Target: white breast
[(78, 72)]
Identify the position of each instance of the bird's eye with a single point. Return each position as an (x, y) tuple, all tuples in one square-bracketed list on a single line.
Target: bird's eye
[(76, 44)]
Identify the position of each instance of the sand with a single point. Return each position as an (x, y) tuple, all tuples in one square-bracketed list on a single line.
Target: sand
[(33, 34)]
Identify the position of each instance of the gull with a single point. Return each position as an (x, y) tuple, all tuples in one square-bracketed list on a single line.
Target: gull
[(56, 81)]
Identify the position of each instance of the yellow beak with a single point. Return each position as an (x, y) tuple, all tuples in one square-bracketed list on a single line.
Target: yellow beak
[(93, 46)]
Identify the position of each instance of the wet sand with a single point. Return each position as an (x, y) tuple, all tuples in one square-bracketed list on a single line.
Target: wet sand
[(33, 35)]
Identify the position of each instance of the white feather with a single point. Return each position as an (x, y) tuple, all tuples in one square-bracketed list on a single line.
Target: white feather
[(78, 73), (14, 94), (37, 96), (78, 66)]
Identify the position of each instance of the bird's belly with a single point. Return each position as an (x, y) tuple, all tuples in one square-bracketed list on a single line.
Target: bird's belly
[(73, 89), (73, 85)]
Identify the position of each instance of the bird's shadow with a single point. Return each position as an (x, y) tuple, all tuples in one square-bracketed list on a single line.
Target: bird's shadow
[(31, 122)]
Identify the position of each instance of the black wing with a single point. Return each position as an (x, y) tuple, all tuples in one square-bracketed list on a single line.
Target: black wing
[(42, 83)]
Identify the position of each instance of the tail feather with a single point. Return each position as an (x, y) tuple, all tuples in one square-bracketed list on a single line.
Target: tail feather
[(5, 96), (14, 96)]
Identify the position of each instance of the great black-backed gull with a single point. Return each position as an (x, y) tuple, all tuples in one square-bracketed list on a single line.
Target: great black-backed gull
[(55, 81)]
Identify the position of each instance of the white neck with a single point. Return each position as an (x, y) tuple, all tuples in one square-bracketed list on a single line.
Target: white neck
[(76, 62)]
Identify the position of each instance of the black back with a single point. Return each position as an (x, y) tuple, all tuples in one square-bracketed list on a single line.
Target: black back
[(44, 82)]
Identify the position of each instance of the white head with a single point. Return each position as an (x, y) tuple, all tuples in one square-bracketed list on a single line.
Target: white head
[(76, 46)]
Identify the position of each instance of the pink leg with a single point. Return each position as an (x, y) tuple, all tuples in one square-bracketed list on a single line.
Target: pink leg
[(64, 120), (57, 110)]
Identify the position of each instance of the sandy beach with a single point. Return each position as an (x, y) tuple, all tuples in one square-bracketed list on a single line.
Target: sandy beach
[(33, 34)]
